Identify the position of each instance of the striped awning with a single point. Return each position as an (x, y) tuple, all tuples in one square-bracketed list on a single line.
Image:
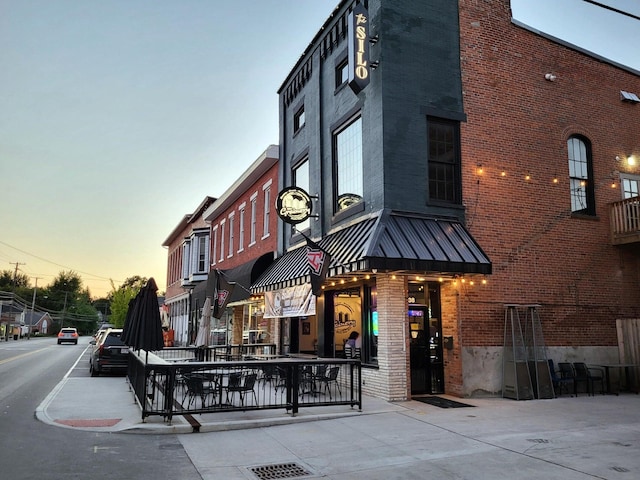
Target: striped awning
[(387, 241)]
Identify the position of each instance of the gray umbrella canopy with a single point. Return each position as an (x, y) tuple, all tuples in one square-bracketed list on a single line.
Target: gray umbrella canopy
[(143, 326), (202, 339)]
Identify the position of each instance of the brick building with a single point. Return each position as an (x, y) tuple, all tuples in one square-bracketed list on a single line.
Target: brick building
[(234, 234), (459, 162)]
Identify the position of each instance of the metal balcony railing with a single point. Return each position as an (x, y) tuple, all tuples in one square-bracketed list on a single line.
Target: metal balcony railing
[(625, 221)]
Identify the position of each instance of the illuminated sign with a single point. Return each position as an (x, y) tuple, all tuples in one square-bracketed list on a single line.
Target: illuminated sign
[(358, 48), (293, 205)]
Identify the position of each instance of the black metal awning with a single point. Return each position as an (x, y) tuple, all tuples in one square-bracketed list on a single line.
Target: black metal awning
[(387, 241), (243, 275)]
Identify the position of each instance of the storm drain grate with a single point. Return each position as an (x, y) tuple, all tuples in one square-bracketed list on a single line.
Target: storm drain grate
[(279, 470), (537, 440)]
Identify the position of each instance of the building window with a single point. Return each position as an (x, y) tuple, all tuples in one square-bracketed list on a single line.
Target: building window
[(231, 234), (254, 214), (444, 160), (222, 234), (267, 209), (342, 73), (581, 176), (300, 178), (348, 175), (214, 252), (630, 185), (186, 257), (241, 228), (298, 119), (203, 254)]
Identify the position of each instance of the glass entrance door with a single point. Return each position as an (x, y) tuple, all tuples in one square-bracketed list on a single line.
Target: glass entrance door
[(425, 340)]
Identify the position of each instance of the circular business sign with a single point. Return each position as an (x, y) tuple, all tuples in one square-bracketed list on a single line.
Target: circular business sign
[(293, 205)]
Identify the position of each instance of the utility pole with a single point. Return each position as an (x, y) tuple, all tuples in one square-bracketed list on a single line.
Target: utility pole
[(15, 273), (33, 305)]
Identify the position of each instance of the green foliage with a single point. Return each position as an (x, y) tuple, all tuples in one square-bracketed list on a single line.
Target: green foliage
[(11, 280), (120, 299)]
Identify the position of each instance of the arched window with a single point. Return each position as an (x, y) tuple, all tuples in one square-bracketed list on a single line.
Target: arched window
[(581, 176)]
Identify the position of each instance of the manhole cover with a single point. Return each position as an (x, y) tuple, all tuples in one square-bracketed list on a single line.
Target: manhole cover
[(279, 470)]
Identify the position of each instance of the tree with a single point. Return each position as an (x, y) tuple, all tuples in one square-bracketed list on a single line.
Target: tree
[(120, 299), (71, 303), (10, 280)]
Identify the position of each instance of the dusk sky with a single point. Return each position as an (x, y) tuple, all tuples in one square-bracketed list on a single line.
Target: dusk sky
[(117, 117)]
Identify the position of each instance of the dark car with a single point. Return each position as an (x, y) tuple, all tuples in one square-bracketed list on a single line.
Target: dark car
[(109, 354)]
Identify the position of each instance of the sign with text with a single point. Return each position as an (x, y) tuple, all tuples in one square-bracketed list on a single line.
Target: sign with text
[(296, 301), (359, 67)]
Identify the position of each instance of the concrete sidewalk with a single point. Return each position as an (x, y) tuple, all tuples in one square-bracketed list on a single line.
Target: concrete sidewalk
[(565, 438), (108, 404)]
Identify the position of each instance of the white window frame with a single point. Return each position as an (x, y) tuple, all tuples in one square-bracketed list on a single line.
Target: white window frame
[(241, 212), (254, 215), (232, 221), (266, 189), (222, 230), (214, 253)]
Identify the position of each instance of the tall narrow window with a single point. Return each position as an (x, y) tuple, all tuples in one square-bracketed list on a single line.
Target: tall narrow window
[(300, 177), (342, 73), (581, 176), (254, 214), (222, 234), (348, 164), (203, 250), (214, 253), (241, 228), (267, 209), (231, 233), (444, 160)]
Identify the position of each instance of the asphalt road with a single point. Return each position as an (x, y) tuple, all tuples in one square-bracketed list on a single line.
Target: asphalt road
[(29, 449)]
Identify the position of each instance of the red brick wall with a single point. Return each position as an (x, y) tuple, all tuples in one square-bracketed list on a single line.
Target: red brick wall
[(518, 122), (262, 245)]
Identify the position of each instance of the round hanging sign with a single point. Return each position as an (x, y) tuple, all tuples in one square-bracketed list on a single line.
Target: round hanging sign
[(293, 205)]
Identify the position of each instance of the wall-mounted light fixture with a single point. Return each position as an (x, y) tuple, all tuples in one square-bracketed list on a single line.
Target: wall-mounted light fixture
[(550, 77)]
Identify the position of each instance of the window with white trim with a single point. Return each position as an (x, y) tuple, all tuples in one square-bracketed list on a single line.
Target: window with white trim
[(254, 215), (231, 233), (241, 227), (214, 253), (267, 209), (222, 234)]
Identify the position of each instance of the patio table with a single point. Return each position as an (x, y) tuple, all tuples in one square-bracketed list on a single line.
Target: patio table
[(619, 366)]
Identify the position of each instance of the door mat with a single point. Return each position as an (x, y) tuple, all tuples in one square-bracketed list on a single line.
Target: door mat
[(441, 402)]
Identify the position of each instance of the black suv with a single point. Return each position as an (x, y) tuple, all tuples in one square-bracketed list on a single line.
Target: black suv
[(110, 354)]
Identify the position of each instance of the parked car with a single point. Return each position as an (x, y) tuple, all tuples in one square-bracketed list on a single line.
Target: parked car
[(109, 354), (68, 334)]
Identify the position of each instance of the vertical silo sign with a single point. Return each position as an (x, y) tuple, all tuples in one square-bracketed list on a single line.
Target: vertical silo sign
[(358, 48)]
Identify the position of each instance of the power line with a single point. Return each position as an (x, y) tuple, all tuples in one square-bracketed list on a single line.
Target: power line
[(56, 264), (613, 9)]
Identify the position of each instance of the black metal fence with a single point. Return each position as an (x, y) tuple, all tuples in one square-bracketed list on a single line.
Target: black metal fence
[(216, 352), (170, 385)]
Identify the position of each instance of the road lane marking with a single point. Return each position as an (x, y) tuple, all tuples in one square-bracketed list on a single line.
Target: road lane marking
[(17, 357)]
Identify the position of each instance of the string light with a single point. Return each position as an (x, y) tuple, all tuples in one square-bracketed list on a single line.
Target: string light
[(503, 173)]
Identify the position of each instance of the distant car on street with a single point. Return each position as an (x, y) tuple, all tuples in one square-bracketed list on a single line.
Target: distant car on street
[(68, 334), (109, 353)]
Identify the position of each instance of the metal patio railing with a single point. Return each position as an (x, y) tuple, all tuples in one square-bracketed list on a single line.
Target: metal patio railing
[(177, 387)]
